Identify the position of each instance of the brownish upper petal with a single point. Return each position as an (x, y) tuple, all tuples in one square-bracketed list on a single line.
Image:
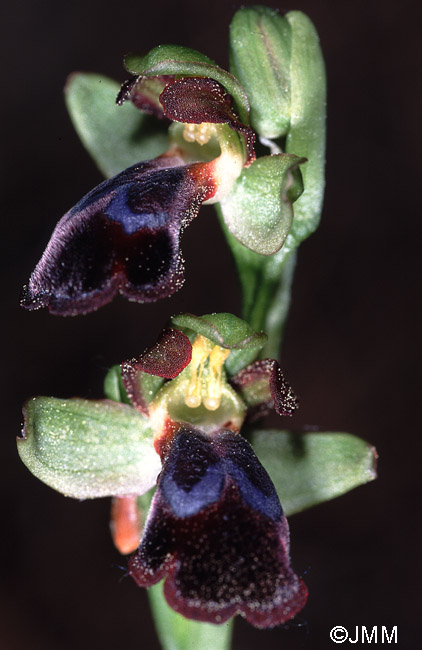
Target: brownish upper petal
[(144, 93), (263, 387), (200, 99)]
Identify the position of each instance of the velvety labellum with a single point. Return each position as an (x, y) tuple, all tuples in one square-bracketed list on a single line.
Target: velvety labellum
[(123, 236), (216, 528)]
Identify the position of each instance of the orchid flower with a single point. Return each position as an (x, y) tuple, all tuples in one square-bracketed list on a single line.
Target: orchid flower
[(216, 528), (125, 234), (180, 418)]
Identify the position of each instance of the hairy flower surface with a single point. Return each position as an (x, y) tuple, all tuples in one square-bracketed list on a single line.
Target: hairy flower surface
[(125, 234), (216, 529)]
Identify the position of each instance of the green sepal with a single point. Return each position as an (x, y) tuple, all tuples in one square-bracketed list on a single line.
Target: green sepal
[(87, 449), (311, 468), (185, 62), (258, 211), (228, 331), (115, 136), (176, 632), (260, 59), (114, 389)]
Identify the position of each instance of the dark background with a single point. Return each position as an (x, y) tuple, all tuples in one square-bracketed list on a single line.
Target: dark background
[(351, 345)]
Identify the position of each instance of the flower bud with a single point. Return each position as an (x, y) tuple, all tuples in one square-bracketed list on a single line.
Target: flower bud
[(260, 41)]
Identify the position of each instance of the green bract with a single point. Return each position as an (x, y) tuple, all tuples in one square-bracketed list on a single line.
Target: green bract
[(88, 449)]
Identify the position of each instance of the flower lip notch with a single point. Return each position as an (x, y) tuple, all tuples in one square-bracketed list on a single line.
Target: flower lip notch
[(216, 529)]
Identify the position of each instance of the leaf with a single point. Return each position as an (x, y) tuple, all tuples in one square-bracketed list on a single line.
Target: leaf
[(258, 211), (87, 449), (310, 468), (178, 633), (115, 136), (185, 62)]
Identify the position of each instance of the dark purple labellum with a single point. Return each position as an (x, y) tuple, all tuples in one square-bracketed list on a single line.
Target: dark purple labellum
[(216, 528), (122, 236)]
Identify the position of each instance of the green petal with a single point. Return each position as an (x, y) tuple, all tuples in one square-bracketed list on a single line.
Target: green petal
[(258, 211), (115, 136), (228, 331), (178, 633), (260, 44), (185, 62), (310, 468), (87, 449)]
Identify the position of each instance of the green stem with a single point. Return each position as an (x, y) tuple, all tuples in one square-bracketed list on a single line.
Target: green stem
[(277, 308), (178, 633), (266, 284)]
